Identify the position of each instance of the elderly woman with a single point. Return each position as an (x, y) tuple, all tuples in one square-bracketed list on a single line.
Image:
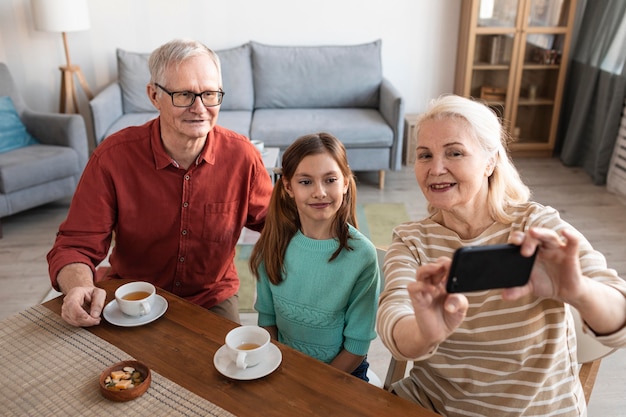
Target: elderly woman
[(497, 352)]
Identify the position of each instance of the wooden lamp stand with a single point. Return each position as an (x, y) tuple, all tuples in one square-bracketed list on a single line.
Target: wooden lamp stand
[(69, 102)]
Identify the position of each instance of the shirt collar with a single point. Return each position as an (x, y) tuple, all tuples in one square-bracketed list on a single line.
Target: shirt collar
[(162, 158)]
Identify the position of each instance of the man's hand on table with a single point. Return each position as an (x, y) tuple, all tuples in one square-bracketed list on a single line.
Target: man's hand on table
[(82, 306), (83, 302)]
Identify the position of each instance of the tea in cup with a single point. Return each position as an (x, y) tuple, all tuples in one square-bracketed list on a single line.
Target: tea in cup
[(247, 345), (135, 298)]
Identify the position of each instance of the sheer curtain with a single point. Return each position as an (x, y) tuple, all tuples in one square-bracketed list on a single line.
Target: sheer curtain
[(595, 88)]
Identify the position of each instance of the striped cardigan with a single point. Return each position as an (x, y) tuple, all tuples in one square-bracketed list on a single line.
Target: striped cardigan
[(506, 358)]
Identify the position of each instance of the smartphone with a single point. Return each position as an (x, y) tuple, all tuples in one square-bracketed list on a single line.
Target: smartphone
[(479, 268)]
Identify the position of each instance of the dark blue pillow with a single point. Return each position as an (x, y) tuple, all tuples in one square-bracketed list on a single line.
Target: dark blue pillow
[(13, 133)]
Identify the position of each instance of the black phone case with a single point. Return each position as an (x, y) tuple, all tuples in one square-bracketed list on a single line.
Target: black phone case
[(478, 268)]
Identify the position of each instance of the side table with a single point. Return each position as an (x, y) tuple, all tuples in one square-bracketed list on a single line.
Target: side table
[(270, 160)]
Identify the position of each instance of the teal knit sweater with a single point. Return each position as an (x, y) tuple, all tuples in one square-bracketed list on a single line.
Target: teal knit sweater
[(322, 307)]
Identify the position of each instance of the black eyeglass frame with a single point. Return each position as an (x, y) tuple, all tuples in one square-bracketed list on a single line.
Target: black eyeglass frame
[(220, 96)]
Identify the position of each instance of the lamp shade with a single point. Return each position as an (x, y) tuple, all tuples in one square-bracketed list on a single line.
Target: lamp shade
[(60, 15)]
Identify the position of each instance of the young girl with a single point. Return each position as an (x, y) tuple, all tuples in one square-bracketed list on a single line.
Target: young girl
[(317, 275)]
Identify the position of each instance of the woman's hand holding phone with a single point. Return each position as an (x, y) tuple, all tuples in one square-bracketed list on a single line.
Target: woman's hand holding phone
[(437, 312), (557, 271)]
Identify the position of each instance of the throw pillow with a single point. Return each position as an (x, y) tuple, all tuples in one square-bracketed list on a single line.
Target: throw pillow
[(237, 78), (134, 75), (303, 77), (13, 134)]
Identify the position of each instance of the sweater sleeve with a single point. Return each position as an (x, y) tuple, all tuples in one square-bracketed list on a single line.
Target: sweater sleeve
[(394, 302), (592, 264), (264, 303), (360, 318)]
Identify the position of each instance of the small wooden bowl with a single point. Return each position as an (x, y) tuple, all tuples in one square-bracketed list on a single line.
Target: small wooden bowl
[(126, 394)]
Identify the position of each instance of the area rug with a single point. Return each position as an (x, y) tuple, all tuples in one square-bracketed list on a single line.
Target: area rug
[(376, 221)]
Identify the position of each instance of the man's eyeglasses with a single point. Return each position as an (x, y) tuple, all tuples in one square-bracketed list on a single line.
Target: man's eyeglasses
[(187, 98)]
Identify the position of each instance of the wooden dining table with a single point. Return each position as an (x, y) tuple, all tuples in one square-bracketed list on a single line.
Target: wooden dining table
[(180, 347)]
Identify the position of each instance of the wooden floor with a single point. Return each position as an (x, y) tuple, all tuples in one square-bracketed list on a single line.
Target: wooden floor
[(591, 209)]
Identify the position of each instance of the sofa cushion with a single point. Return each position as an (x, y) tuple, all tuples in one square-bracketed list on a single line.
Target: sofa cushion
[(36, 164), (134, 75), (317, 76), (355, 128), (236, 120), (5, 207), (237, 78), (13, 133), (130, 119)]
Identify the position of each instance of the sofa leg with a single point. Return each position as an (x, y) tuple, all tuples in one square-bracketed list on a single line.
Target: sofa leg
[(381, 179)]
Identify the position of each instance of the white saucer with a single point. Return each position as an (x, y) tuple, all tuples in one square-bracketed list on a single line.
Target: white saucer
[(114, 315), (227, 367)]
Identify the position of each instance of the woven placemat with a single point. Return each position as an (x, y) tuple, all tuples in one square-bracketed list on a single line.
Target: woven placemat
[(50, 368)]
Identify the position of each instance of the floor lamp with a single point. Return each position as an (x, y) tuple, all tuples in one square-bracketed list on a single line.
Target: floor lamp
[(64, 16)]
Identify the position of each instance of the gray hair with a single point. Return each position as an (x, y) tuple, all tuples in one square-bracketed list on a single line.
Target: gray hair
[(174, 53), (506, 188)]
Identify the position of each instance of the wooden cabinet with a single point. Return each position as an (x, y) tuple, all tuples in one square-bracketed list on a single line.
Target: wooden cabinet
[(513, 54)]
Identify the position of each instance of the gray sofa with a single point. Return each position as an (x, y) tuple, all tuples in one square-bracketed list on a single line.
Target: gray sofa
[(47, 171), (278, 93)]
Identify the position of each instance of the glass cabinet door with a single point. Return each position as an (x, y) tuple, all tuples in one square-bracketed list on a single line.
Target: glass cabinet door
[(493, 54), (548, 13), (541, 49), (497, 13), (512, 54)]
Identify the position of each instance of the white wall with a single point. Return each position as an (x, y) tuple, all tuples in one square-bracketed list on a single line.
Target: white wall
[(419, 38)]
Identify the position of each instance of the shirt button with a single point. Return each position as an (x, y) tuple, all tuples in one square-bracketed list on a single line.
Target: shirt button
[(181, 259), (187, 177), (185, 204), (184, 232), (177, 283)]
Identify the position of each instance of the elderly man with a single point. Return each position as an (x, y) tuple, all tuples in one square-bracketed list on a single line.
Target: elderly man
[(175, 193)]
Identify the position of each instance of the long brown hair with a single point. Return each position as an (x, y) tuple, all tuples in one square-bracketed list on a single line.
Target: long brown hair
[(282, 221)]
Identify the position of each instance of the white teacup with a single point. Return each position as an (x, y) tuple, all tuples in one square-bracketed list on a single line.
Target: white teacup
[(135, 298), (259, 144), (247, 345)]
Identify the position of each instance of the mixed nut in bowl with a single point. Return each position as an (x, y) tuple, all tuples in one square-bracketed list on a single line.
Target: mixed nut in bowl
[(125, 381)]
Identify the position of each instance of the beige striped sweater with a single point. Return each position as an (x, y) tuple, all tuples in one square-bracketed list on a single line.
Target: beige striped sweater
[(507, 358)]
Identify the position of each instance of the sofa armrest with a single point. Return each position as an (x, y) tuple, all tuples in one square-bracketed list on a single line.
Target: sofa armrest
[(392, 108), (106, 107), (60, 130)]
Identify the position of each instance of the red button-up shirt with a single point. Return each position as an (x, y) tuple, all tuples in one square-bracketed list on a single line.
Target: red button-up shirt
[(173, 227)]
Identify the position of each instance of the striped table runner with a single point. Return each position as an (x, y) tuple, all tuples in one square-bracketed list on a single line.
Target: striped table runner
[(50, 368)]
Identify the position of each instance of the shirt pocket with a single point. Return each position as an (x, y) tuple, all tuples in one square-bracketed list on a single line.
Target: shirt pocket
[(220, 221)]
